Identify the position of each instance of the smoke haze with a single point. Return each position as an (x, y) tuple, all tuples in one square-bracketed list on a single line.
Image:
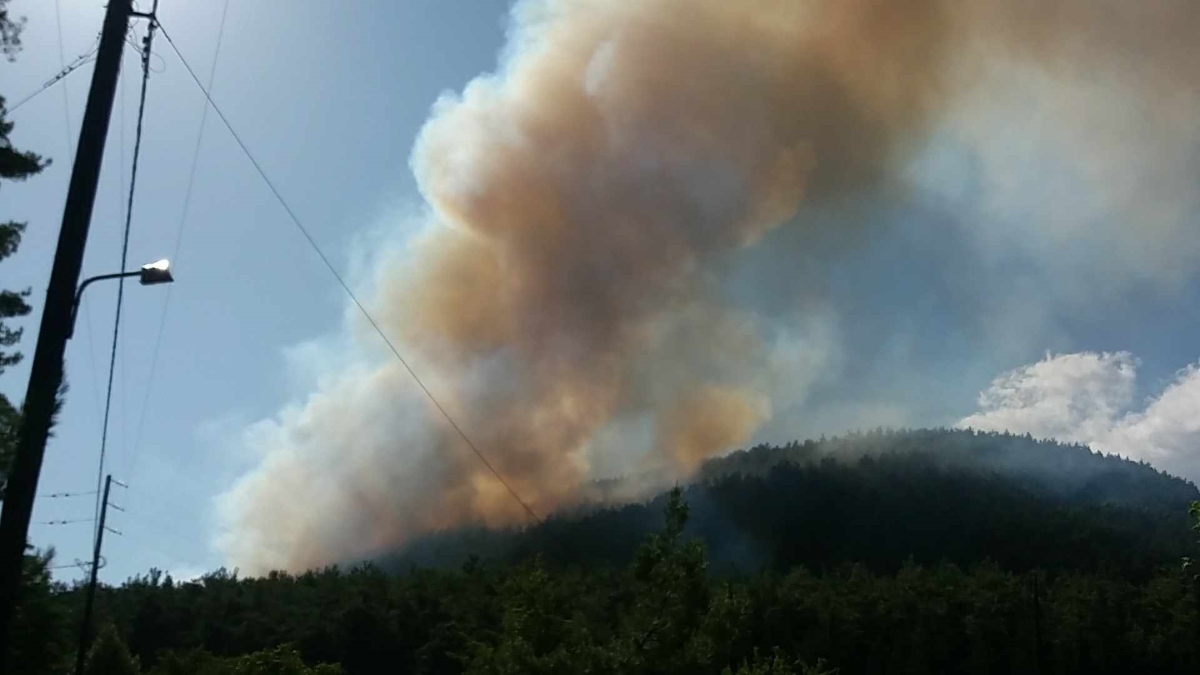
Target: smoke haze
[(600, 208)]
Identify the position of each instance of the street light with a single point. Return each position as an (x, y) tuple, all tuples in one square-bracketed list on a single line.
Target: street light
[(158, 272)]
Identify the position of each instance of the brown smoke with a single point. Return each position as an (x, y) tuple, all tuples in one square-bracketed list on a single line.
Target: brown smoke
[(711, 418), (582, 202)]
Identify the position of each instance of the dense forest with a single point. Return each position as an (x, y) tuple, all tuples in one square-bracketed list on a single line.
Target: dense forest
[(880, 499), (904, 552)]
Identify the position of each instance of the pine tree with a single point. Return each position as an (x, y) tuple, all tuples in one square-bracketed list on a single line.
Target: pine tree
[(110, 656), (10, 32), (14, 165), (40, 642)]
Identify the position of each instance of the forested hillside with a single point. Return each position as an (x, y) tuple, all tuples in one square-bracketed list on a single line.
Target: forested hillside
[(910, 552), (1070, 471), (882, 498)]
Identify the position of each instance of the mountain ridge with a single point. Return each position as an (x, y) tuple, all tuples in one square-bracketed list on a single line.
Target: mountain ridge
[(880, 498)]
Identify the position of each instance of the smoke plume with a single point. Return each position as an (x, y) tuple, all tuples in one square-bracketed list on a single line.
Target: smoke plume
[(569, 294)]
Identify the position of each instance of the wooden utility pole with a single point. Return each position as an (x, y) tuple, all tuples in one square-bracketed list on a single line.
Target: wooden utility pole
[(90, 595), (46, 372)]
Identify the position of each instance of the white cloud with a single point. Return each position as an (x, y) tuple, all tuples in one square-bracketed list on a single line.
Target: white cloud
[(1167, 432), (1088, 398), (1072, 397)]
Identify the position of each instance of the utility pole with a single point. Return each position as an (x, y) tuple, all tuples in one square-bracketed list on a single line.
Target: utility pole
[(46, 372), (90, 596)]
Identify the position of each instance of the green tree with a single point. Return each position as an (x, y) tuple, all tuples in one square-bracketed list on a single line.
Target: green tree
[(10, 32), (281, 660), (778, 664), (38, 645), (110, 656), (10, 426), (14, 165), (880, 564), (671, 586), (552, 623), (39, 642)]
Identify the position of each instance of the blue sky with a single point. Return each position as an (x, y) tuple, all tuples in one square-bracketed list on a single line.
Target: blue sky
[(330, 97)]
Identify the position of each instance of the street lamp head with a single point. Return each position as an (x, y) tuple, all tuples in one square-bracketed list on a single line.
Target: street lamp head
[(156, 273), (153, 273)]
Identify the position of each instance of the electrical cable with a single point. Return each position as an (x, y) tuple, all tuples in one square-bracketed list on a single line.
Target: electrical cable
[(140, 520), (122, 209), (62, 64), (81, 564), (112, 361), (65, 522), (183, 217), (346, 287), (62, 495), (79, 61), (138, 50), (172, 557)]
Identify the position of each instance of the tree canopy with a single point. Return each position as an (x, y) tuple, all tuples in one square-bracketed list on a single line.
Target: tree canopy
[(886, 552), (664, 612), (15, 165)]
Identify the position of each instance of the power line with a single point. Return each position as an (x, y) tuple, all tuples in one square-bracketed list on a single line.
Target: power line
[(79, 61), (66, 522), (112, 360), (160, 504), (62, 64), (138, 50), (63, 495), (122, 211), (171, 558), (346, 287), (141, 519), (183, 216), (81, 564)]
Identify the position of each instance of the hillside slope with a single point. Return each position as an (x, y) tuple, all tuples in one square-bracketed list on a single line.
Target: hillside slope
[(1091, 544), (880, 499)]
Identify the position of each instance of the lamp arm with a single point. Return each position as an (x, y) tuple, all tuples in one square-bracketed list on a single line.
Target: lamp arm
[(79, 294)]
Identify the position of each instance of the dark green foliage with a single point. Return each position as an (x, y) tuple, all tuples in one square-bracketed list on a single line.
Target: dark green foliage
[(779, 664), (909, 563), (10, 426), (665, 613), (281, 660), (40, 641), (10, 32), (1072, 472), (110, 656), (880, 499), (14, 165)]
